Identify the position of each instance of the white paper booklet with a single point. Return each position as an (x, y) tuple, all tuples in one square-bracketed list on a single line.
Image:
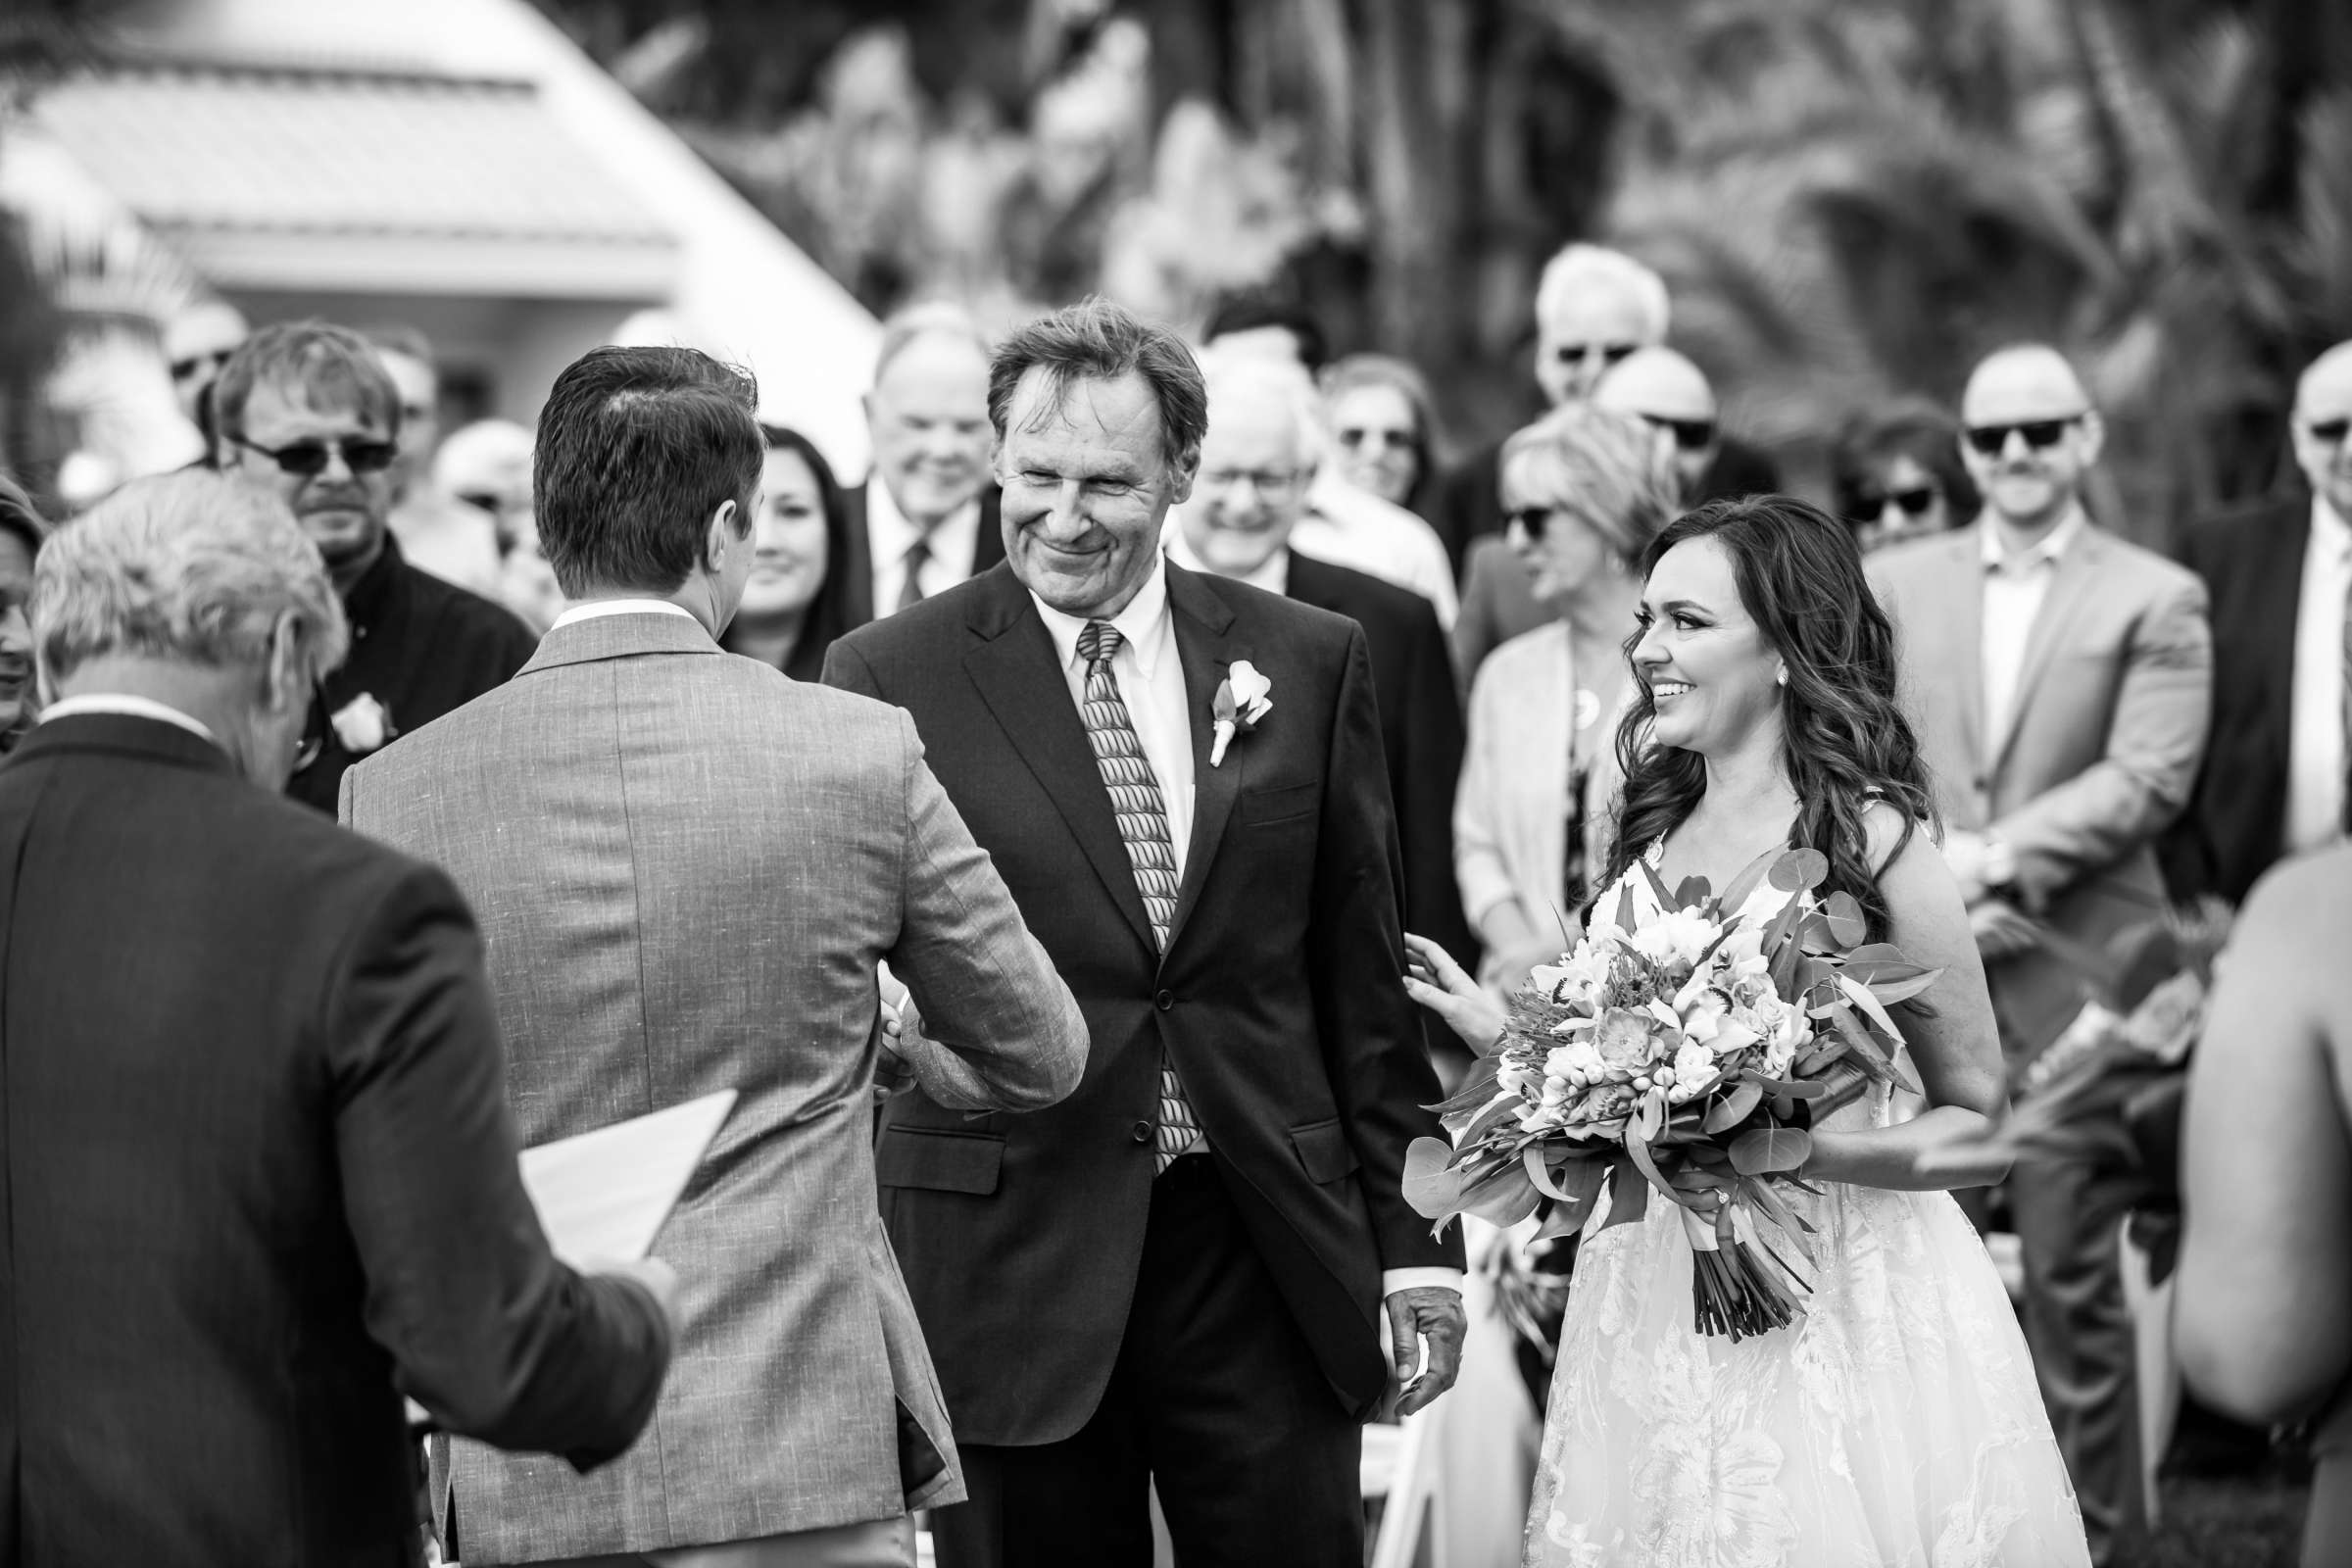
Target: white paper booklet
[(602, 1196)]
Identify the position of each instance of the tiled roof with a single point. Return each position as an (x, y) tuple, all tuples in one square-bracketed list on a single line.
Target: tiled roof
[(196, 148)]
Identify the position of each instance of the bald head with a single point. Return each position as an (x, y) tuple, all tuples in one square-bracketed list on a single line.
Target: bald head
[(1672, 394), (1658, 384), (2323, 415), (2031, 436), (927, 414), (1264, 437)]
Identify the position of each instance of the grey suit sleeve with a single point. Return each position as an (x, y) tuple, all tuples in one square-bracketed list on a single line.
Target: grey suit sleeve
[(999, 1030), (486, 1330), (2155, 741)]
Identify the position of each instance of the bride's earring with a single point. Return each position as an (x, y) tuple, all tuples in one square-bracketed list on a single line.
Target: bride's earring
[(1782, 679)]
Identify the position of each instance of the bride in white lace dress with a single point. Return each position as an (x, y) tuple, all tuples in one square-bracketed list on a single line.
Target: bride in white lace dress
[(1898, 1420)]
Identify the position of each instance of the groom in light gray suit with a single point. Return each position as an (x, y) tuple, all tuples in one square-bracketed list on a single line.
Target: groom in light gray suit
[(687, 866)]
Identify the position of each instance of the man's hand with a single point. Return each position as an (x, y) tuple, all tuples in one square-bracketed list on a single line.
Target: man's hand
[(1964, 854), (891, 1070), (1434, 1313), (2001, 930)]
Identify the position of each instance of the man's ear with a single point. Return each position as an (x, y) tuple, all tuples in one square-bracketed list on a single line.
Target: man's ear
[(285, 671), (728, 521), (2095, 436), (1181, 474)]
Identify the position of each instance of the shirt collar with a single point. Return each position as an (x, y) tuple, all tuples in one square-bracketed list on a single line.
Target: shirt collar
[(1140, 623), (134, 706), (371, 596), (2328, 530), (2049, 551), (1273, 574), (596, 607)]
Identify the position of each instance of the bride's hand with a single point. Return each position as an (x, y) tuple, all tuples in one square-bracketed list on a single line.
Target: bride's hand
[(1433, 979)]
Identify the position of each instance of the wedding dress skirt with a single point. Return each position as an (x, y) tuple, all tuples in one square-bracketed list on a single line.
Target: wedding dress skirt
[(1896, 1422)]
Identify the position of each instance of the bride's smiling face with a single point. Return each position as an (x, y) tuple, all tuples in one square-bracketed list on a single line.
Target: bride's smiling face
[(1712, 674)]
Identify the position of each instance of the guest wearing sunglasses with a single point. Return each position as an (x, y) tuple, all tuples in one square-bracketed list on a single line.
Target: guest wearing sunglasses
[(1897, 476), (1671, 395), (2060, 679), (1384, 430), (197, 341), (307, 412), (2280, 573)]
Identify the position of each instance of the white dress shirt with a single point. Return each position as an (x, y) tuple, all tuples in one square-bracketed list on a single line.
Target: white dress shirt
[(2315, 748), (954, 543), (1351, 528), (2015, 586), (597, 608), (1151, 679), (125, 702)]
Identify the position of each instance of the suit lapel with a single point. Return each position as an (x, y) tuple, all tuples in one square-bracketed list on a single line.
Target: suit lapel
[(1018, 676), (2070, 580), (2274, 559), (989, 548), (857, 565), (1201, 623)]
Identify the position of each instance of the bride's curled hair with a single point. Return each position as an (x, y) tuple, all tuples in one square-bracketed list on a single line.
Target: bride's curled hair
[(1845, 740)]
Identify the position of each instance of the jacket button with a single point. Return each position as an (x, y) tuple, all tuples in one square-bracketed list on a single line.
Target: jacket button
[(1165, 1000), (1141, 1132)]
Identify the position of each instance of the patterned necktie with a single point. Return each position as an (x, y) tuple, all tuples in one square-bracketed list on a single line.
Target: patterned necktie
[(1143, 818), (918, 555)]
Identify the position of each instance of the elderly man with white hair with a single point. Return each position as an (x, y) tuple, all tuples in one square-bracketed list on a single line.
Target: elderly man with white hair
[(1248, 519), (260, 1168)]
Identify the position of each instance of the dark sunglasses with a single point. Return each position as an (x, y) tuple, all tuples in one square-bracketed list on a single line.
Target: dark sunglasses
[(1869, 504), (1354, 436), (1691, 435), (181, 370), (2330, 430), (1535, 519), (309, 458), (2040, 434), (1610, 353)]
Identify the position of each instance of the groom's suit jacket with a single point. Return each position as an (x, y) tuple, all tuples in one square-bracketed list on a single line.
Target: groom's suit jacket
[(686, 866), (2099, 752), (1278, 1001)]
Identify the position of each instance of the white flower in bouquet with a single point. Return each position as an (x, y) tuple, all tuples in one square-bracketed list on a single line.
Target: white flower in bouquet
[(1675, 936)]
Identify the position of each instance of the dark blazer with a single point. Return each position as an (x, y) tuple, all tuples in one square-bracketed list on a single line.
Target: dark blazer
[(260, 1178), (1279, 1002), (858, 558), (421, 648), (2235, 824), (1420, 729)]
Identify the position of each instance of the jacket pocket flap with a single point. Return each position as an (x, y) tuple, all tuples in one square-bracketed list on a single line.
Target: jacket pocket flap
[(941, 1161), (1280, 804), (1324, 1150)]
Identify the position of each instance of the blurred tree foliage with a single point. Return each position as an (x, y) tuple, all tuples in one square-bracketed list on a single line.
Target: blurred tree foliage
[(1850, 198)]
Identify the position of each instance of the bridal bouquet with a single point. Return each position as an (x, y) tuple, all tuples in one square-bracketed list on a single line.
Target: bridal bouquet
[(1686, 1052)]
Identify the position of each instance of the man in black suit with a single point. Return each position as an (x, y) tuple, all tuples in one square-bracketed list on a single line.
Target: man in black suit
[(927, 517), (307, 412), (2279, 574), (1186, 1259), (1257, 464), (258, 1170)]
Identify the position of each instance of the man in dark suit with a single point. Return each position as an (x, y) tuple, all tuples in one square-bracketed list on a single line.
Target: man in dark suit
[(1188, 1258), (259, 1168), (308, 414), (1257, 463), (2279, 574), (927, 517)]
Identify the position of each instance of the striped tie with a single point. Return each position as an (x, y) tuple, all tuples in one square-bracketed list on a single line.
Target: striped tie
[(1143, 818)]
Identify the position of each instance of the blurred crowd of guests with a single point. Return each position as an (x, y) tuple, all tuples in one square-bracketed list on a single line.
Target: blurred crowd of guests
[(2110, 729)]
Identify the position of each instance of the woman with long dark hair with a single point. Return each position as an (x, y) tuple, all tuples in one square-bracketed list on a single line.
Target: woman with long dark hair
[(1897, 1419), (796, 602)]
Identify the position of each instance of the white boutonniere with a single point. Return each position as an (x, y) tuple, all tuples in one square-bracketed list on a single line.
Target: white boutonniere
[(1242, 698), (363, 724)]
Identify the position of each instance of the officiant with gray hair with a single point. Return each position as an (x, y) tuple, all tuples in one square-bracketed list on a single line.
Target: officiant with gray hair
[(258, 1170)]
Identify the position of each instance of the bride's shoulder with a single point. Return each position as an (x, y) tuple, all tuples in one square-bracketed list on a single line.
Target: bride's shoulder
[(1885, 826)]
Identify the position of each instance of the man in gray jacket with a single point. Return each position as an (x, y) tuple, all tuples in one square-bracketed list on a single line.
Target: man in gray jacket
[(687, 867)]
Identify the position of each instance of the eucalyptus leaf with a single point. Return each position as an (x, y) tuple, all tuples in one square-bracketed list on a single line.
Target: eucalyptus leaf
[(1429, 1184), (1890, 992), (1770, 1149), (1629, 1201), (1751, 877), (1735, 1107), (1844, 912), (1800, 870)]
